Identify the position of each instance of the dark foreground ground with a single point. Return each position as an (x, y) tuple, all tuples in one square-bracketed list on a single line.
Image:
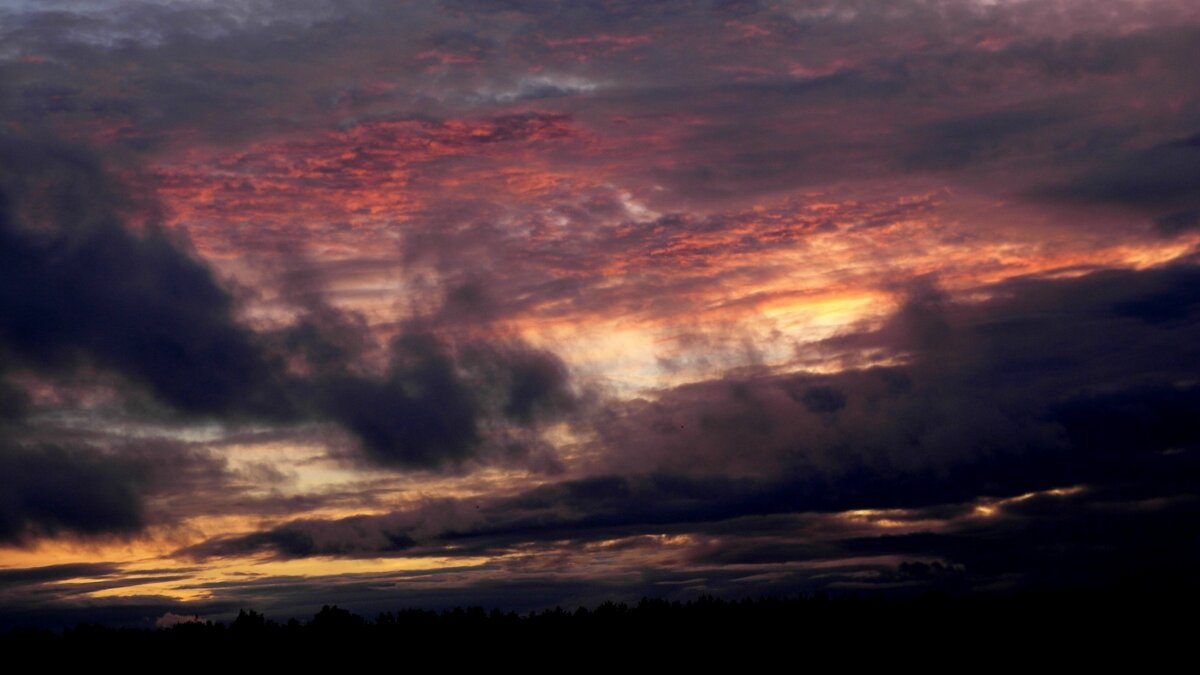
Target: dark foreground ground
[(971, 633)]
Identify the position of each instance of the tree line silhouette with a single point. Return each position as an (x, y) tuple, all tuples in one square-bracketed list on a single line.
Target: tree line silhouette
[(860, 628)]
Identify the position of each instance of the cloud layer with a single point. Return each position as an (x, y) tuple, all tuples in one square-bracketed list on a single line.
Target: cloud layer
[(418, 303)]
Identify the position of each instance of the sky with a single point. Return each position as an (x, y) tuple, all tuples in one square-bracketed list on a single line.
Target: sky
[(523, 304)]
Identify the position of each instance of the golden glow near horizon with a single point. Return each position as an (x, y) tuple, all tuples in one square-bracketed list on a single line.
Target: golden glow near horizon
[(201, 584), (991, 507)]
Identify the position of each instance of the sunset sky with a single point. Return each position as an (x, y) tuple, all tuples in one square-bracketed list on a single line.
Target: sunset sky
[(523, 304)]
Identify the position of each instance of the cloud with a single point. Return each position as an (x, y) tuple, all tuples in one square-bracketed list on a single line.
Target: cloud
[(80, 288), (395, 210), (986, 382), (419, 414), (357, 536), (170, 619), (1156, 181), (51, 489), (1062, 398), (51, 573), (430, 406), (967, 142), (71, 487), (1056, 542)]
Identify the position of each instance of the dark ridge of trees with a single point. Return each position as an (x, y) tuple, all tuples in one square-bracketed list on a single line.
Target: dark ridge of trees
[(1074, 627)]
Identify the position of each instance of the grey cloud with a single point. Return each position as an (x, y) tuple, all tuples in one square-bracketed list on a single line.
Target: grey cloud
[(88, 491), (32, 575), (51, 489), (1158, 181)]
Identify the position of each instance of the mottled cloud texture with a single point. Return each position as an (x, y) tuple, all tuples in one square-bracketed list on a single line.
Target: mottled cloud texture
[(528, 304)]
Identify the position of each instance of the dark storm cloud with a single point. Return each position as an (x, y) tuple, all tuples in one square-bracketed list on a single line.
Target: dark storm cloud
[(420, 414), (48, 490), (430, 407), (531, 384), (77, 287), (89, 490)]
